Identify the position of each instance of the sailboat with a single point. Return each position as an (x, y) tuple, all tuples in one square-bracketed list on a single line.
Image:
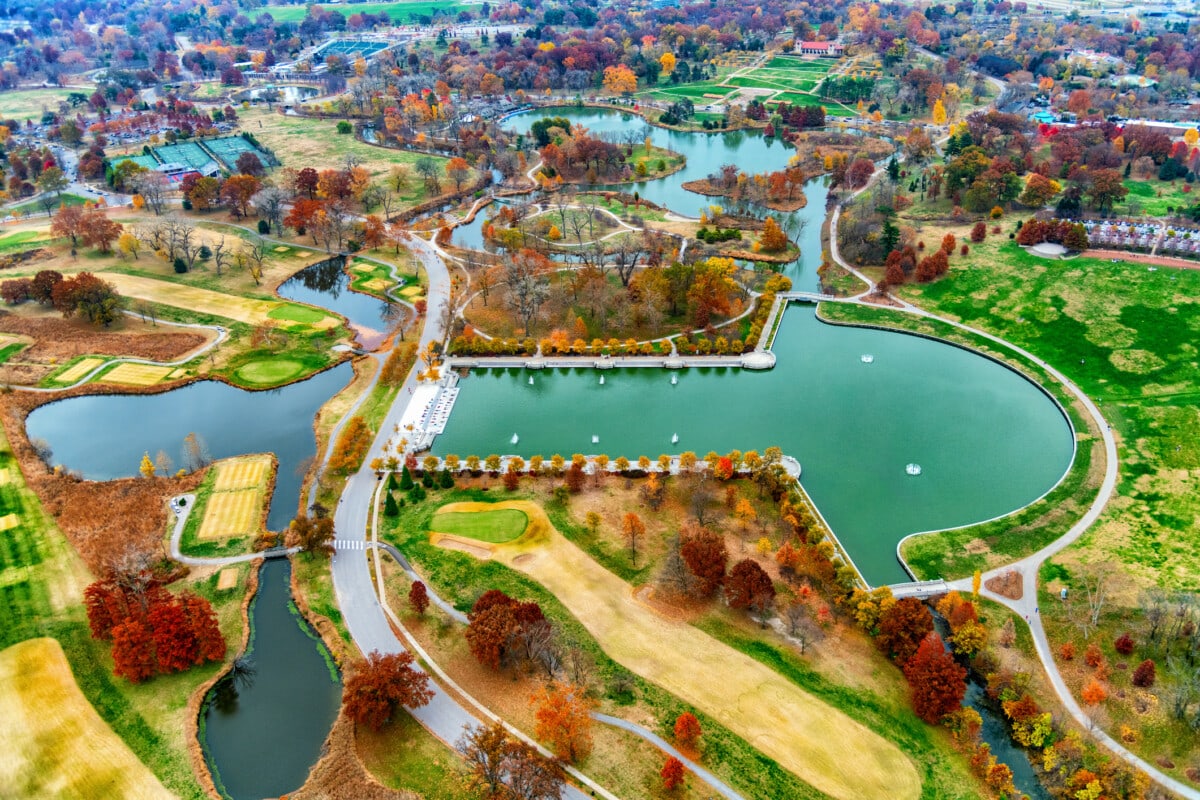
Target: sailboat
[(675, 438), (674, 379), (515, 439), (601, 380)]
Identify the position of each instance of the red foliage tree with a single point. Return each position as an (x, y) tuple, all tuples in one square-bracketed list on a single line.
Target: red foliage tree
[(978, 232), (1124, 644), (203, 622), (174, 643), (1093, 656), (1145, 674), (672, 773), (380, 684), (687, 731), (573, 479), (948, 243), (902, 629), (936, 680), (749, 586), (133, 651), (498, 626), (705, 555), (418, 597), (859, 173), (107, 607)]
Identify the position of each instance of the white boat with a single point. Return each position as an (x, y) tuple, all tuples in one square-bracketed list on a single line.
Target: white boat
[(531, 380), (595, 439), (913, 469), (675, 438), (601, 380), (866, 359), (515, 439), (674, 379)]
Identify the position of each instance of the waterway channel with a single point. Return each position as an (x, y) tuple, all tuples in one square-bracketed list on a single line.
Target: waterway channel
[(326, 284), (262, 732)]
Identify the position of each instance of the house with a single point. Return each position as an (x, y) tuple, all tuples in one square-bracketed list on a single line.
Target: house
[(825, 49)]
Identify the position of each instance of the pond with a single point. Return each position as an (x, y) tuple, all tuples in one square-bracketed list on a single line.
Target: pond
[(263, 726), (104, 436), (987, 440), (705, 153), (327, 285)]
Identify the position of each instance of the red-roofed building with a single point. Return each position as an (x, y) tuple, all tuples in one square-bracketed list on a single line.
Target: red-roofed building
[(826, 49)]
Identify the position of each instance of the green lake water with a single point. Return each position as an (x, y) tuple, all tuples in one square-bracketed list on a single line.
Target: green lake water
[(987, 440)]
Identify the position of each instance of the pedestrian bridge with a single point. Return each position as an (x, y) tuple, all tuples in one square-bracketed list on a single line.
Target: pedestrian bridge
[(919, 589), (805, 297)]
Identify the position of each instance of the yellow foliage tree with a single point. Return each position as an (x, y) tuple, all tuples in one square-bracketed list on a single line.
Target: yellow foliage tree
[(1191, 136), (939, 113), (554, 234), (619, 79), (667, 62), (139, 202), (147, 466)]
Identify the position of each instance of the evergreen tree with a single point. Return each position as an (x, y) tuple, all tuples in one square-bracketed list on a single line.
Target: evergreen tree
[(390, 509), (406, 480)]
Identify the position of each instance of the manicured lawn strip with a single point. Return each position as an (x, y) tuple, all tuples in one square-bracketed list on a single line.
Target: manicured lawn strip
[(29, 103), (19, 241), (495, 527), (1146, 195), (34, 207), (190, 543), (8, 351), (406, 756), (944, 554), (313, 574), (399, 11), (461, 578), (894, 721)]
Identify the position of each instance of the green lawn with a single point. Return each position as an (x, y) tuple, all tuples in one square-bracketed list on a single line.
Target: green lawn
[(34, 207), (494, 527), (1126, 336), (399, 11), (1152, 198), (31, 103)]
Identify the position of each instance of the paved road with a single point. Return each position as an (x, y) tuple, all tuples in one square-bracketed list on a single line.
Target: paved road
[(1027, 606)]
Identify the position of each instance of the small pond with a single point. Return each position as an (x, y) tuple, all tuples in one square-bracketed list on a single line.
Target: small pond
[(263, 729), (104, 436), (326, 284)]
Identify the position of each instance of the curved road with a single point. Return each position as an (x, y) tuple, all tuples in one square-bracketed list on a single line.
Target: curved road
[(1028, 567)]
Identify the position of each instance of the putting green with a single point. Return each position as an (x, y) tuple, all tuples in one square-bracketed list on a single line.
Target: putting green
[(813, 740), (494, 527), (269, 372), (297, 313)]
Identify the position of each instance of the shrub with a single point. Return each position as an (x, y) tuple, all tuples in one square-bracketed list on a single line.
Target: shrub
[(1124, 644), (979, 232), (965, 249), (1145, 674), (997, 212), (1067, 652), (1093, 656), (180, 265), (1094, 694), (344, 127), (264, 227)]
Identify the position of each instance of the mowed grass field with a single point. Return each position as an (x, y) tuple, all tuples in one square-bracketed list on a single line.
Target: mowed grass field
[(303, 142), (31, 103), (803, 734), (1126, 336), (235, 506), (54, 742), (399, 12), (136, 374), (495, 526)]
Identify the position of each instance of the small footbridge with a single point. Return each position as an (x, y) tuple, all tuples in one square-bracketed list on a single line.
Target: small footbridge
[(919, 589), (805, 297)]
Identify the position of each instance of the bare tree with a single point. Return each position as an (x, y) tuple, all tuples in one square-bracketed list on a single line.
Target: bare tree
[(674, 576), (250, 257), (154, 187), (800, 626), (625, 251), (1155, 605), (220, 255), (702, 497), (528, 286), (1090, 597), (269, 202)]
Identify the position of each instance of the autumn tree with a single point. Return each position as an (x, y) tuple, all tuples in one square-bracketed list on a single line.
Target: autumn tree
[(458, 170), (705, 555), (237, 192), (1039, 190), (620, 79), (485, 748), (1145, 674), (859, 173), (1107, 188), (1094, 693), (203, 623), (749, 586), (352, 446), (563, 714), (632, 530), (505, 768), (687, 731), (380, 684), (175, 644), (68, 222), (133, 651), (773, 239), (936, 680), (418, 597), (939, 112), (311, 534), (500, 629), (903, 626), (672, 773)]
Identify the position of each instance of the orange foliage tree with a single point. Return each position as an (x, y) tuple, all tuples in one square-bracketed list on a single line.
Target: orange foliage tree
[(672, 773), (936, 680), (564, 720), (687, 731), (352, 445)]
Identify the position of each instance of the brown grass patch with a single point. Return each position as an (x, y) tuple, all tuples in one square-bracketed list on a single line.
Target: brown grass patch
[(137, 374), (219, 304), (341, 774), (102, 520), (62, 339), (1008, 584), (227, 579)]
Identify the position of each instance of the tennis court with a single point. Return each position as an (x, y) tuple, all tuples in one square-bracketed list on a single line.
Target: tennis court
[(351, 47), (188, 153), (228, 148)]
